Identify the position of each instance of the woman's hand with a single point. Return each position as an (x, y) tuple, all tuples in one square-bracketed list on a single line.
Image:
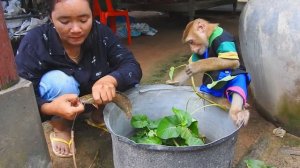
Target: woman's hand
[(104, 90), (66, 106)]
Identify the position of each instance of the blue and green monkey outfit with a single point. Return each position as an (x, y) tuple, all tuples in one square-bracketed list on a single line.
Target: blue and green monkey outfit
[(223, 82)]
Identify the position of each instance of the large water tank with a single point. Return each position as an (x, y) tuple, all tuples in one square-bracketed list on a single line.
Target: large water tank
[(269, 33)]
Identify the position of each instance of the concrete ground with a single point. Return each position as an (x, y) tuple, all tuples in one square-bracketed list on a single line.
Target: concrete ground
[(156, 54)]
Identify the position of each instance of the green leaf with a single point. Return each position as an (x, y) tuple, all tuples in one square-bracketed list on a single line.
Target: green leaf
[(139, 134), (193, 141), (184, 117), (171, 73), (180, 141), (173, 119), (150, 140), (152, 133), (185, 133), (153, 124), (139, 121), (225, 79), (195, 131), (190, 139), (194, 128), (252, 163), (167, 128), (175, 130), (174, 142)]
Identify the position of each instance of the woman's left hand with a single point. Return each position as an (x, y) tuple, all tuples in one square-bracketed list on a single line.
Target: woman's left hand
[(104, 90)]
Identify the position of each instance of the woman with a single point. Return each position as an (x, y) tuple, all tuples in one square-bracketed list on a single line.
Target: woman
[(69, 57)]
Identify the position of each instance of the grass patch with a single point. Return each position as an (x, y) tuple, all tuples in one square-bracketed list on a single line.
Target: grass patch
[(160, 74)]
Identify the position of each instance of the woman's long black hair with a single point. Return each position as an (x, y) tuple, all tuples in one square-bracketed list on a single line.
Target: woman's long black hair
[(51, 4)]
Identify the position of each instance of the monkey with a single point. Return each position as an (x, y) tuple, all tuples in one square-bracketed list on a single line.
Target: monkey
[(214, 54)]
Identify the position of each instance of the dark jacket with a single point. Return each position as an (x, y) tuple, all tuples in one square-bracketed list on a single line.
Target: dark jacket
[(102, 53)]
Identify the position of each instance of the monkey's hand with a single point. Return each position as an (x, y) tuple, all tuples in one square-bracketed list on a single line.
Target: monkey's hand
[(240, 117), (193, 68), (211, 64), (179, 79)]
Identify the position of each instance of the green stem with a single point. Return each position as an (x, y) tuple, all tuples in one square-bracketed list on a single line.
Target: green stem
[(172, 70), (203, 97), (206, 106), (180, 66), (175, 143), (209, 77), (187, 104)]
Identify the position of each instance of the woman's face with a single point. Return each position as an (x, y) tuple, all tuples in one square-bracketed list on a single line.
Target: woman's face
[(72, 20)]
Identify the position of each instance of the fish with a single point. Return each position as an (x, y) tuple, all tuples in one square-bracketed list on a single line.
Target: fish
[(121, 100)]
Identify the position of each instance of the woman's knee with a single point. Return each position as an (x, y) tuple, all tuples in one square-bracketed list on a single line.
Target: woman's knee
[(55, 83)]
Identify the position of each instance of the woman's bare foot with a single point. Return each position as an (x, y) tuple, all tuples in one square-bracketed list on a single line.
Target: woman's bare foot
[(61, 137)]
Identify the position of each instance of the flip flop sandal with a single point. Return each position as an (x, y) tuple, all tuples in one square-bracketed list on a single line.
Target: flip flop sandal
[(54, 139)]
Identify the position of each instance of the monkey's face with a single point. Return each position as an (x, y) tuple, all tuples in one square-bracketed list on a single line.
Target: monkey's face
[(198, 42)]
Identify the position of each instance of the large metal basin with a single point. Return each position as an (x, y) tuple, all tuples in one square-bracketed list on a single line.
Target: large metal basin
[(157, 101)]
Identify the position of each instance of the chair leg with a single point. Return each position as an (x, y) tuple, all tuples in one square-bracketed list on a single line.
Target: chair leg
[(103, 19), (96, 9), (128, 30), (113, 24)]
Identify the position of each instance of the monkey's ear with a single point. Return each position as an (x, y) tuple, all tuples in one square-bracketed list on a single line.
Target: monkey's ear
[(201, 26)]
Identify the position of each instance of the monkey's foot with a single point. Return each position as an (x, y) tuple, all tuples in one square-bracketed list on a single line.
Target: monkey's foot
[(241, 117), (172, 82)]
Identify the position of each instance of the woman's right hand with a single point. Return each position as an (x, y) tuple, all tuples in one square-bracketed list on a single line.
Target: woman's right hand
[(66, 106)]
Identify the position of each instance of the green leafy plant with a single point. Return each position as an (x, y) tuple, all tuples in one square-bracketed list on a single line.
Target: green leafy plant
[(179, 129), (252, 163)]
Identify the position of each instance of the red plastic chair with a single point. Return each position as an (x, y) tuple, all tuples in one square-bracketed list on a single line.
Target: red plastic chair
[(111, 14)]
